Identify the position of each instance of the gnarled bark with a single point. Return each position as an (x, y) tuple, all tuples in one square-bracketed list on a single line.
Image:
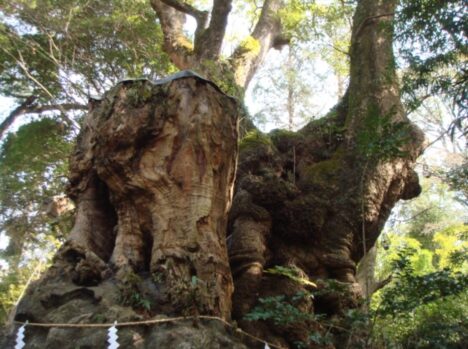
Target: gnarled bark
[(327, 190), (169, 178)]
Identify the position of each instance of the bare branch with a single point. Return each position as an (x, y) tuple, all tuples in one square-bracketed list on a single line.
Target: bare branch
[(22, 64), (10, 119), (38, 109), (337, 49), (200, 16), (381, 284), (28, 107)]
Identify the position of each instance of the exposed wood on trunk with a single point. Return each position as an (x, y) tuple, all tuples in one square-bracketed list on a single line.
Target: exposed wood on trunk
[(152, 176), (95, 217), (167, 156)]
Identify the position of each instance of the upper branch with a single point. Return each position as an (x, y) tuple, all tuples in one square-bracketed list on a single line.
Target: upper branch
[(200, 16), (10, 119), (29, 107), (267, 33), (211, 40), (208, 40), (176, 43), (186, 8)]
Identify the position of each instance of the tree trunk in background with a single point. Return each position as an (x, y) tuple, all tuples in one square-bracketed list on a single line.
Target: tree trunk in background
[(153, 174), (290, 81), (366, 274)]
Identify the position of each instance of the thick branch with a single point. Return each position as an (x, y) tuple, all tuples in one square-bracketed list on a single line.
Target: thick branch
[(27, 107), (185, 8), (37, 109), (267, 34), (10, 119), (209, 45), (177, 45), (208, 41), (200, 16), (368, 20)]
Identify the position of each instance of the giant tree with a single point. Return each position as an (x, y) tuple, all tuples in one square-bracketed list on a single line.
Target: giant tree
[(161, 229)]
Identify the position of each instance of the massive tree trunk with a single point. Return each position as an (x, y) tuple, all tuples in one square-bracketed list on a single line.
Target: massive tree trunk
[(166, 157), (152, 176), (316, 200)]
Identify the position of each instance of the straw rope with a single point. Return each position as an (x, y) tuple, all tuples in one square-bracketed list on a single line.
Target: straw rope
[(149, 322)]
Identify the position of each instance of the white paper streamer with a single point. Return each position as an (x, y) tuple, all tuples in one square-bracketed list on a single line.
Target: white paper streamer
[(267, 346), (19, 337), (112, 337)]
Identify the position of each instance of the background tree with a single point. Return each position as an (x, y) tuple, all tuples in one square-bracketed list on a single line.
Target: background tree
[(297, 82), (423, 305), (437, 30), (283, 98)]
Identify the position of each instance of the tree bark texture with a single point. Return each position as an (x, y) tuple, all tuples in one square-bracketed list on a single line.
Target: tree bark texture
[(167, 157)]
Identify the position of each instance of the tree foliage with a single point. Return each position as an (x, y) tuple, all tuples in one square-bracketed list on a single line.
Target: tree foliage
[(74, 48), (422, 310), (424, 253), (33, 169), (433, 44)]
